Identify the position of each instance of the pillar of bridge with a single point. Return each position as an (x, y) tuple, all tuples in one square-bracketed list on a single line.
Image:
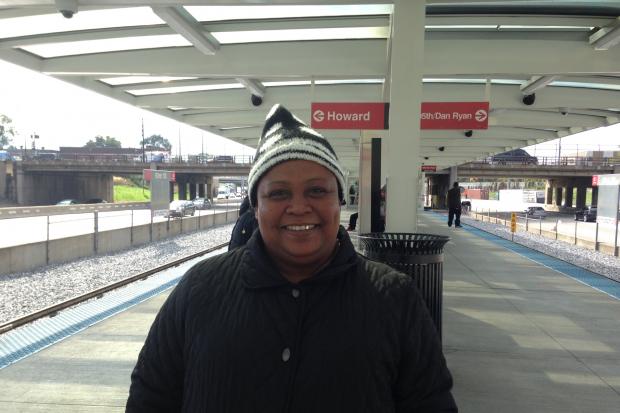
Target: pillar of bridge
[(192, 190), (568, 199), (549, 192), (581, 197), (171, 191), (182, 189), (3, 180), (594, 195), (558, 196), (201, 190)]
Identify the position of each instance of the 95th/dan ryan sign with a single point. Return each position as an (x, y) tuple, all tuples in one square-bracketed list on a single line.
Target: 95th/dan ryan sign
[(454, 115)]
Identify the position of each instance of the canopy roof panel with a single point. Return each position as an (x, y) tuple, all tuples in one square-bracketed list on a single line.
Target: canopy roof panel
[(200, 64)]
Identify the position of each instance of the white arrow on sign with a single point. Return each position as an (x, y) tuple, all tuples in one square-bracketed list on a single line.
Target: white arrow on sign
[(481, 115), (318, 115)]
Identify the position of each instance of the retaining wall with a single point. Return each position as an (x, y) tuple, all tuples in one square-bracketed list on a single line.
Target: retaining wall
[(27, 257)]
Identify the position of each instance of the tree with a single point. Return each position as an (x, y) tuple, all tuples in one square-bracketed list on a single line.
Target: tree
[(7, 132), (101, 142), (156, 142)]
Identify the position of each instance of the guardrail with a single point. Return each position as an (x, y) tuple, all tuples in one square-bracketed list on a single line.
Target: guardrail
[(38, 211), (594, 236)]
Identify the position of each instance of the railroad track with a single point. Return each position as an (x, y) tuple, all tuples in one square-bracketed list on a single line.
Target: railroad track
[(98, 293)]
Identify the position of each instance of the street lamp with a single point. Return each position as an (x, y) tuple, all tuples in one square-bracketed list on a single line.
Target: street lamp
[(34, 136)]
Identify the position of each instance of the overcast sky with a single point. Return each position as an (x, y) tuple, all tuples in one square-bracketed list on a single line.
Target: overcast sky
[(66, 115)]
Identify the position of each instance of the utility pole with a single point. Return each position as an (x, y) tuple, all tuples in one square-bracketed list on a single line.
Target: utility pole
[(559, 150), (143, 152), (180, 159), (202, 148)]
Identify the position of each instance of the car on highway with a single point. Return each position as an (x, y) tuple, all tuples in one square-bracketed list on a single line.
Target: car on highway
[(223, 158), (95, 201), (180, 208), (586, 215), (516, 157), (535, 212), (68, 202), (202, 203)]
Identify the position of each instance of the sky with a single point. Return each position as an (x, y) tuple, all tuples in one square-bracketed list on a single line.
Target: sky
[(66, 115)]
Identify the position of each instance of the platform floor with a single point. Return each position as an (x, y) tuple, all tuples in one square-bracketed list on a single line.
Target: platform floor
[(518, 336)]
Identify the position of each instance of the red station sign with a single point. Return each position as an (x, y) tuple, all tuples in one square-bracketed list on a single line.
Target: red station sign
[(594, 180), (454, 115), (351, 115), (429, 168)]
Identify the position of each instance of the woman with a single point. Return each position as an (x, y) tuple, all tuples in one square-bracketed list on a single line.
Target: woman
[(294, 321)]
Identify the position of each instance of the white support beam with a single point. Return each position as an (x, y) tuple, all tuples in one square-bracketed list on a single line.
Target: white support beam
[(254, 86), (187, 26), (606, 37), (536, 83)]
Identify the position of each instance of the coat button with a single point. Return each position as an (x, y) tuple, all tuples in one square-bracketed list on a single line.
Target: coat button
[(296, 293), (286, 354)]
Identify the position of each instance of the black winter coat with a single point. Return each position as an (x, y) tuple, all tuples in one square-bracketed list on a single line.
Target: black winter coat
[(235, 336), (243, 229)]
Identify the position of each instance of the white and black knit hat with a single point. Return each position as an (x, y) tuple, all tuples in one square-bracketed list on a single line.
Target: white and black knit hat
[(285, 137)]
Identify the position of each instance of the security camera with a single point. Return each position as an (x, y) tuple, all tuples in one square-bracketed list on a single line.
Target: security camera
[(563, 111), (426, 158), (529, 99), (67, 7), (469, 133), (442, 148), (256, 100)]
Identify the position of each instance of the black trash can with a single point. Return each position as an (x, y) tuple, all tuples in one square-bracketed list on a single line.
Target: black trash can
[(418, 255)]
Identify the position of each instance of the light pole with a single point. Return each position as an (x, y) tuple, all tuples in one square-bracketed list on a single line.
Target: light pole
[(34, 136)]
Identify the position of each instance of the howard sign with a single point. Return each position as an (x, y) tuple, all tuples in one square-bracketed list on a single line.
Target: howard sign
[(351, 115)]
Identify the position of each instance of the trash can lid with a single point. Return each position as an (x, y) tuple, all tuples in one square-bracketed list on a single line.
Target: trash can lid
[(405, 242)]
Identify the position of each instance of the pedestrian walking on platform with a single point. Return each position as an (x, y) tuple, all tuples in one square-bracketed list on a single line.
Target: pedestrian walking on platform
[(295, 320), (454, 205)]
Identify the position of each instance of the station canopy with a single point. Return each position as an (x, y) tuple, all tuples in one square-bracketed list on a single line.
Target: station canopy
[(548, 68)]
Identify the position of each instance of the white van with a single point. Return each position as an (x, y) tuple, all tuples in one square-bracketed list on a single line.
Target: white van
[(223, 194)]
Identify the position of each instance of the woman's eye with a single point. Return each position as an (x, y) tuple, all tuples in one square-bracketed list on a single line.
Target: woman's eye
[(278, 194), (317, 191)]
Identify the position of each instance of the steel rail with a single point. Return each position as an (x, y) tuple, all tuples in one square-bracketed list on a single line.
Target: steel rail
[(98, 293)]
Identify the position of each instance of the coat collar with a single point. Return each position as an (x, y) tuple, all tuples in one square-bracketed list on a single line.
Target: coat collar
[(259, 271)]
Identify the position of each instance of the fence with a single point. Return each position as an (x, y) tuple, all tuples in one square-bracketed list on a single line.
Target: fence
[(594, 236)]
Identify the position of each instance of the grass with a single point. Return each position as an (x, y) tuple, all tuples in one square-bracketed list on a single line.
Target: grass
[(127, 193)]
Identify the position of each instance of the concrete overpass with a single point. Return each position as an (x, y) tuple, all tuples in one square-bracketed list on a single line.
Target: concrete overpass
[(562, 179), (47, 182)]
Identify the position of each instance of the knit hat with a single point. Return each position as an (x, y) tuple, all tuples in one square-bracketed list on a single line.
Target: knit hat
[(285, 138)]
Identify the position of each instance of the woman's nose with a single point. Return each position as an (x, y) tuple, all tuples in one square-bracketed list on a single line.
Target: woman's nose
[(298, 205)]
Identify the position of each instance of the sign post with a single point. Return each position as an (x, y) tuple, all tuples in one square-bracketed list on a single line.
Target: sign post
[(513, 224), (160, 190)]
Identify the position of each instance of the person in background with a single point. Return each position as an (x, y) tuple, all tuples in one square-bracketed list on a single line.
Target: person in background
[(244, 227), (454, 205), (295, 320)]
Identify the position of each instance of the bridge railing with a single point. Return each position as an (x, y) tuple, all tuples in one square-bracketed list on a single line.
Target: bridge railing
[(138, 159), (548, 161)]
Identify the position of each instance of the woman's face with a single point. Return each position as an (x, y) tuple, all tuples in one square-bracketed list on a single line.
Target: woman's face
[(298, 213)]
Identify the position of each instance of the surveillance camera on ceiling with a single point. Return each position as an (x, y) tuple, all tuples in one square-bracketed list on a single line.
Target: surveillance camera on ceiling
[(67, 7), (442, 148), (469, 133), (529, 99), (256, 100)]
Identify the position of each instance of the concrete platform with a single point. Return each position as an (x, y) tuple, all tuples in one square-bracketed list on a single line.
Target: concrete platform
[(518, 336)]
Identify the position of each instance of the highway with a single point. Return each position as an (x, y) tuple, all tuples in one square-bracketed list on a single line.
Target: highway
[(19, 231)]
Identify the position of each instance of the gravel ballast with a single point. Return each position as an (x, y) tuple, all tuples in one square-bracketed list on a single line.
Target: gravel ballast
[(26, 292)]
